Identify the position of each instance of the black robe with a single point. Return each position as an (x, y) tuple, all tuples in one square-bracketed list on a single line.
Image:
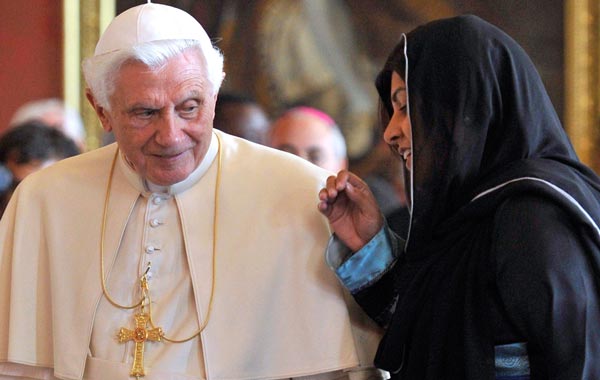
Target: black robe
[(504, 245)]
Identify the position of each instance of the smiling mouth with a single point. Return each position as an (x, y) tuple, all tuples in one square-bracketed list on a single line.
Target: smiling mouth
[(169, 155), (405, 153)]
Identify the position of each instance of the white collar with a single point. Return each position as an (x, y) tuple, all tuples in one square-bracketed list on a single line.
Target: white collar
[(146, 187)]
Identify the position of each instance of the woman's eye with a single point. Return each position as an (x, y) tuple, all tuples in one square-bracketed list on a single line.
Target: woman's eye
[(401, 108)]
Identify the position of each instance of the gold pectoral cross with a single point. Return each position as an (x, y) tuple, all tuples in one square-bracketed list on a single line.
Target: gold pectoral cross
[(140, 335)]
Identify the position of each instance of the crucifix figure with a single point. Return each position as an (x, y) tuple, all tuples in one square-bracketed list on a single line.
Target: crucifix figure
[(139, 336)]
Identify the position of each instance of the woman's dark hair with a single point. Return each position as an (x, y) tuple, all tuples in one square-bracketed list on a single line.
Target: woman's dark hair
[(394, 63)]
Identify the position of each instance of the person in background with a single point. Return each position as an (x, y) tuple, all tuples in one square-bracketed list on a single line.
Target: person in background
[(55, 113), (27, 148), (241, 116), (311, 134), (6, 180), (178, 252), (499, 276)]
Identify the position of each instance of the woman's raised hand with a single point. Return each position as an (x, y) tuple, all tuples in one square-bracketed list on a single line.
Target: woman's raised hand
[(351, 209)]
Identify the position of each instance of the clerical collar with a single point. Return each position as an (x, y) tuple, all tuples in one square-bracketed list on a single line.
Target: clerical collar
[(146, 187)]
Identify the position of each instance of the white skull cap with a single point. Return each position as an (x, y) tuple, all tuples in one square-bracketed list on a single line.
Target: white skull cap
[(150, 22)]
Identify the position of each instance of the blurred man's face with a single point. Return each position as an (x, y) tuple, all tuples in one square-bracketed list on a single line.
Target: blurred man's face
[(309, 137), (162, 118), (245, 120), (21, 170)]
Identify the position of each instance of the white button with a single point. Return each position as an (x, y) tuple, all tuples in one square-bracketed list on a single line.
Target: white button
[(150, 249), (155, 223), (157, 200)]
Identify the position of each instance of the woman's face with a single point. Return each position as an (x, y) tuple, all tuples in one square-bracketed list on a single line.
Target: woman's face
[(397, 133)]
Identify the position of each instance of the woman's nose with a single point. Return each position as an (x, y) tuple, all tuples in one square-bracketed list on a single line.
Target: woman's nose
[(397, 129), (392, 131)]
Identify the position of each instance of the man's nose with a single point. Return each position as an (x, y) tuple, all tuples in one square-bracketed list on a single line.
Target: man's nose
[(169, 129)]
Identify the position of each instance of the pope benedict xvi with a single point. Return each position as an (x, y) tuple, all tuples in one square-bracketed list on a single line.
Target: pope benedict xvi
[(179, 252)]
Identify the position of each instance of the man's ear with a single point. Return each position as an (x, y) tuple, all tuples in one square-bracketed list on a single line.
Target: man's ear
[(100, 111)]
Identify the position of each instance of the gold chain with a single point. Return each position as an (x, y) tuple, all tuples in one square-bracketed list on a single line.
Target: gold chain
[(146, 297)]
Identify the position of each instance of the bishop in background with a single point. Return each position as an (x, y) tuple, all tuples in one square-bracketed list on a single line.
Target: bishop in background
[(179, 252)]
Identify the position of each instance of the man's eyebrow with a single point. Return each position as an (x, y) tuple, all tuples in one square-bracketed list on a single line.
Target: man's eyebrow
[(395, 94), (139, 106), (193, 95), (287, 147)]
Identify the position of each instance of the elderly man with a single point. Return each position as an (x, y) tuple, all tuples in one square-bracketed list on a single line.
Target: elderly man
[(179, 252), (311, 134)]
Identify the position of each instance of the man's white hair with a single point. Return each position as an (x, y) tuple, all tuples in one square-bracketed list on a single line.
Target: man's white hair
[(100, 71), (51, 109)]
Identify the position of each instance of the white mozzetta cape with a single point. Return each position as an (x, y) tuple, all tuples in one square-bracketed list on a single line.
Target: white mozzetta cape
[(278, 310)]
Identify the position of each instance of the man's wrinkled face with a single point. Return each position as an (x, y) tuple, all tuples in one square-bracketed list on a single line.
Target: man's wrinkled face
[(162, 118)]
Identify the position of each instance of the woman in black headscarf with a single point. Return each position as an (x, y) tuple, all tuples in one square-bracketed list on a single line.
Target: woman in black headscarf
[(498, 278)]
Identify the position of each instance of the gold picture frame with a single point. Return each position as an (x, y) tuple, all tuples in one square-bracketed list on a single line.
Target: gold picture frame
[(83, 22), (582, 78)]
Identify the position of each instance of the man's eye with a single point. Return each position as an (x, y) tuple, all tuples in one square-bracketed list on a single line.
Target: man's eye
[(189, 110), (315, 157), (145, 114)]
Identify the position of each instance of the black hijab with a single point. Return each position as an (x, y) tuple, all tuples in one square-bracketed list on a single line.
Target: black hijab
[(483, 130)]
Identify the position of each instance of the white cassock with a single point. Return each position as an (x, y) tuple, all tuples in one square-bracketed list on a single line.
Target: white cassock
[(278, 312)]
